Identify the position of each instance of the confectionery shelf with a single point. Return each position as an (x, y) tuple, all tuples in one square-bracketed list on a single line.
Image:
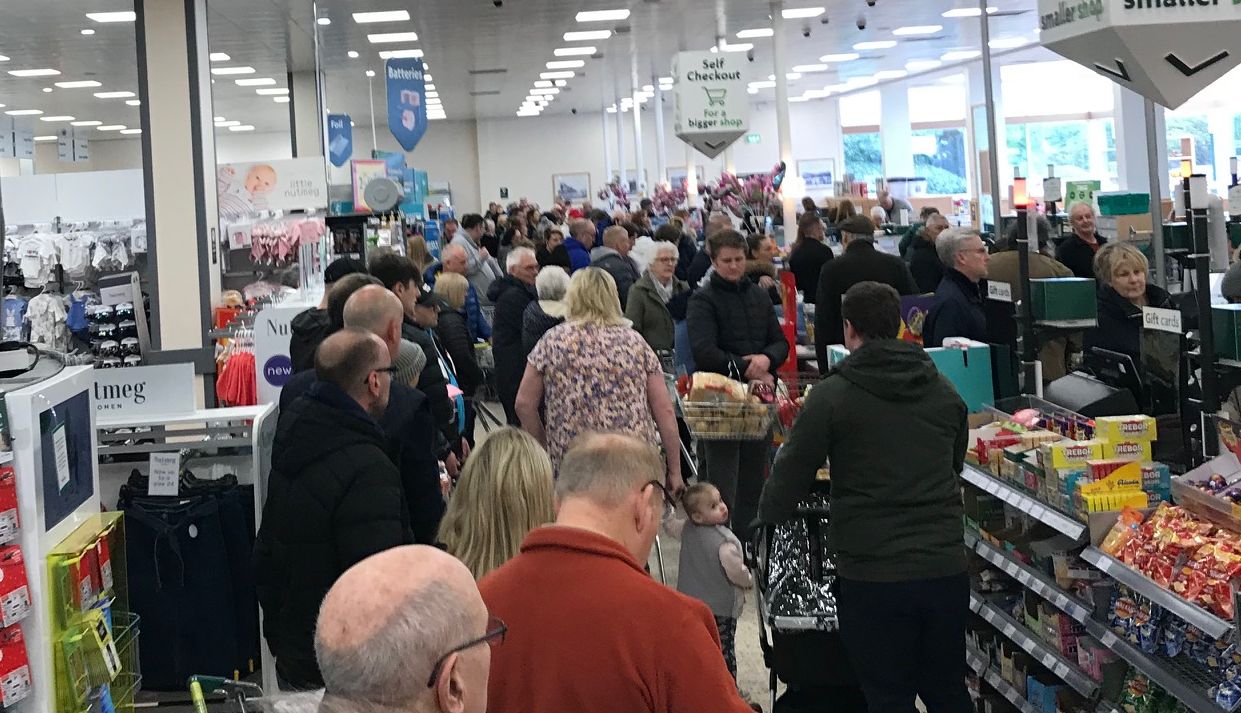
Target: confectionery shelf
[(979, 665), (1040, 511), (1066, 670), (1034, 580)]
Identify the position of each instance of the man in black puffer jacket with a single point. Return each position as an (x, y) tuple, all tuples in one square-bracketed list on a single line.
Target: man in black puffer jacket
[(334, 497), (733, 331), (511, 295), (311, 327)]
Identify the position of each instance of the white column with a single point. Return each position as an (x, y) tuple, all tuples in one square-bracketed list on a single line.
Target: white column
[(620, 144), (639, 150), (661, 147), (1129, 122), (895, 131), (977, 98), (306, 118), (783, 132), (607, 147), (178, 157), (691, 175)]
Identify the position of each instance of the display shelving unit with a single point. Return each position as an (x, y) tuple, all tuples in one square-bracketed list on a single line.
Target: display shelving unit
[(979, 665)]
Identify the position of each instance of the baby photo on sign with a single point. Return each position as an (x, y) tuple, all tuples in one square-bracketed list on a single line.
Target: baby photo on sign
[(243, 193)]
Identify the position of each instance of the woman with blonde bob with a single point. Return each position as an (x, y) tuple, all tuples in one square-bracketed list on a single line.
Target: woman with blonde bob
[(505, 491), (595, 373), (1120, 270)]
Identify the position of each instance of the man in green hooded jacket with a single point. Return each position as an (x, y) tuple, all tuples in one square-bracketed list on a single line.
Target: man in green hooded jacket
[(894, 433)]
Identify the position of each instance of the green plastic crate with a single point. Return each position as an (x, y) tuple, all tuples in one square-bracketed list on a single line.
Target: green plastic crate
[(1176, 236), (1226, 319), (1064, 298), (1123, 203)]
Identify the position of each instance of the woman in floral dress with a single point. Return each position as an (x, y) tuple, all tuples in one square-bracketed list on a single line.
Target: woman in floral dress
[(595, 373)]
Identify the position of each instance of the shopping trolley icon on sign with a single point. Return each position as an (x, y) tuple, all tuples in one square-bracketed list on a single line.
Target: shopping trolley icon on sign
[(715, 97)]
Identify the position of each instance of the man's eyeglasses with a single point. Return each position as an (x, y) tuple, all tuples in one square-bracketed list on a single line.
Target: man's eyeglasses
[(496, 631), (381, 370), (670, 505)]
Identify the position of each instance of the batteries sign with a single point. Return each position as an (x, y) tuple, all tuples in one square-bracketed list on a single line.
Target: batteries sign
[(712, 107), (1165, 50)]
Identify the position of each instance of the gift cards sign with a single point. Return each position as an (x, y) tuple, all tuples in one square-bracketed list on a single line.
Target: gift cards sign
[(1165, 50), (712, 106)]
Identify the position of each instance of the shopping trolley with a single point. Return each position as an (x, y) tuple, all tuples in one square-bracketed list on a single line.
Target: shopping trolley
[(715, 97), (795, 580), (242, 696)]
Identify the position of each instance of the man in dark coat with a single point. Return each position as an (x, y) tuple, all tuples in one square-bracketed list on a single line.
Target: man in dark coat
[(314, 325), (407, 422), (1078, 250), (613, 257), (511, 295), (401, 277), (924, 262), (334, 497), (861, 262), (958, 307), (733, 331), (896, 506), (578, 245)]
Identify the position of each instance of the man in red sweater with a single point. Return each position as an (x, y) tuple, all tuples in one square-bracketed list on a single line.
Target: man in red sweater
[(589, 630)]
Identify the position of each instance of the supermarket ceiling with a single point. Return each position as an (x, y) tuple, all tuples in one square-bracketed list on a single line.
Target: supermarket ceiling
[(484, 59)]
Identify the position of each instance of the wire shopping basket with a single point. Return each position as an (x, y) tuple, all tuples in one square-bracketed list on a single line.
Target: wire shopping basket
[(727, 421)]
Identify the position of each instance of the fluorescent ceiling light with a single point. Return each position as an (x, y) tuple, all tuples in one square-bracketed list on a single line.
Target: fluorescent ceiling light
[(763, 85), (842, 57), (566, 64), (123, 16), (113, 95), (226, 71), (544, 92), (1007, 43), (56, 118), (542, 83), (256, 82), (383, 16), (791, 76), (388, 37), (324, 21), (968, 12), (430, 87), (87, 32), (432, 95), (219, 57), (876, 45), (45, 138), (740, 47), (112, 127), (280, 100), (270, 91), (921, 65), (433, 101), (24, 112), (755, 33), (802, 13), (86, 123), (34, 72), (808, 68), (84, 84), (370, 72), (574, 51), (47, 90), (226, 124), (561, 83), (891, 74), (131, 131), (243, 127), (587, 35), (612, 109), (602, 15), (426, 77), (3, 58), (133, 102), (799, 99), (917, 30), (401, 54), (557, 75), (958, 55), (218, 119), (352, 54)]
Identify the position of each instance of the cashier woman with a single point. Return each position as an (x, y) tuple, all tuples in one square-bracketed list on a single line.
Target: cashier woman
[(1121, 271)]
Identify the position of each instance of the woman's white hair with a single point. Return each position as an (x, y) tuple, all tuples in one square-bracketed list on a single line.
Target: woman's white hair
[(661, 248), (552, 283)]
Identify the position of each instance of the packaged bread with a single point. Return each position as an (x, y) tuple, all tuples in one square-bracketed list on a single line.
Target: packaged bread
[(709, 387)]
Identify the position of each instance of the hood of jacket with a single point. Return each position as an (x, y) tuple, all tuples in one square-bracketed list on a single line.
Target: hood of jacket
[(1115, 305), (504, 284), (311, 324), (720, 283), (601, 252), (890, 369), (324, 421)]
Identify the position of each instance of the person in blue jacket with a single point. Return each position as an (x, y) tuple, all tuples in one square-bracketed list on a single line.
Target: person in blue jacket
[(580, 242)]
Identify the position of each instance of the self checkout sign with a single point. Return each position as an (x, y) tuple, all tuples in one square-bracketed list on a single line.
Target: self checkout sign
[(712, 105)]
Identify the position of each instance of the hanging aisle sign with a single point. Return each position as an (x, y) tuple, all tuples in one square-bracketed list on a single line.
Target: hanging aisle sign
[(1165, 50), (339, 139), (407, 101), (712, 106)]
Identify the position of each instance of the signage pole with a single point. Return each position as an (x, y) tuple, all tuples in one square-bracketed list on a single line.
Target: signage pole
[(691, 179), (620, 148), (607, 147), (661, 149), (992, 140), (370, 89), (1157, 178), (639, 162), (780, 59)]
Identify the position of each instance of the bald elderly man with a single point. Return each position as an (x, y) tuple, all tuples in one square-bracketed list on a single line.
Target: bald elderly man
[(334, 497), (408, 422), (405, 631), (454, 259)]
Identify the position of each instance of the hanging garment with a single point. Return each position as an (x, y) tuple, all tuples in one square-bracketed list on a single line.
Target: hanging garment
[(13, 325)]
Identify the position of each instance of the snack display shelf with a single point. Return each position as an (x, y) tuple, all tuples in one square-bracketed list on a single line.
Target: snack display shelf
[(1183, 682), (1066, 323), (1145, 586), (1034, 580), (1029, 505), (988, 673), (1016, 632)]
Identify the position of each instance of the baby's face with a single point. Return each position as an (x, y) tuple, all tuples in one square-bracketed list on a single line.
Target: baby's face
[(711, 512), (260, 179)]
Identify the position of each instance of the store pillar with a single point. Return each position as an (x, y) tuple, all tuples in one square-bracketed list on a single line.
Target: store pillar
[(306, 119), (639, 149), (1129, 118), (988, 162), (179, 166), (620, 145), (607, 146), (780, 58), (895, 131), (661, 147)]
